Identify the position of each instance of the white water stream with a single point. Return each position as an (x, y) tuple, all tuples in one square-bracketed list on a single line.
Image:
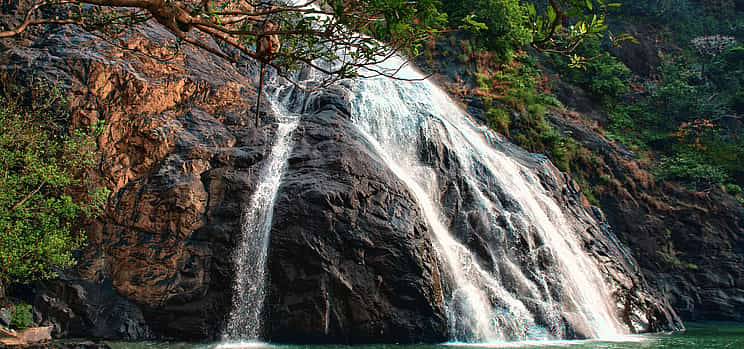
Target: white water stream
[(249, 288), (397, 118)]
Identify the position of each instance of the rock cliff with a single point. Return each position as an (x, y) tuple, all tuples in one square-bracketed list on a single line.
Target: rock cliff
[(350, 259)]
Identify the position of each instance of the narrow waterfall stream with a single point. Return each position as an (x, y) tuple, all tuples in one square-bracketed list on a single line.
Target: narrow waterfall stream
[(517, 300), (249, 288)]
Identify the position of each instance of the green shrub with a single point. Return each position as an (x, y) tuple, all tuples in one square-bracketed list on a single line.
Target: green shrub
[(500, 26), (732, 188), (684, 113), (690, 168), (604, 76), (20, 318), (588, 192), (499, 120)]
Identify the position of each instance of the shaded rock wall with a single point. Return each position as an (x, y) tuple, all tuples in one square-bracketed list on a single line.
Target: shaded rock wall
[(689, 245)]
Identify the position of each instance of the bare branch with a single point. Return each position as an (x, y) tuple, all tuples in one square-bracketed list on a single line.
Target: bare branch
[(32, 22), (18, 204)]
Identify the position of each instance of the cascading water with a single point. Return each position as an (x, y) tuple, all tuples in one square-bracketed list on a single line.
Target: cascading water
[(522, 296), (534, 282), (540, 291), (249, 289)]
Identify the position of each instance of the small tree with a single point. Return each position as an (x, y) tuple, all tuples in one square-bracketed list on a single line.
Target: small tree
[(43, 187), (498, 25), (334, 37), (553, 26), (564, 25)]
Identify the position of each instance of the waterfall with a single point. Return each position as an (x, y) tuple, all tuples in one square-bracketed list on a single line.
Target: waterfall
[(533, 282), (539, 293), (249, 288)]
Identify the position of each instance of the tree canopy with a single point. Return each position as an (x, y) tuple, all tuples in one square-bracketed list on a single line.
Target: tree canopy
[(311, 32), (554, 26), (335, 37)]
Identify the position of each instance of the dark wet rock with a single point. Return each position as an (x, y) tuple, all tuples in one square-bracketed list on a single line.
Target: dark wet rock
[(80, 308), (643, 55), (351, 259), (5, 316)]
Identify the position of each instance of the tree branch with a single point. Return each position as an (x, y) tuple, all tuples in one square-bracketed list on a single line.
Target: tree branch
[(31, 22), (27, 197)]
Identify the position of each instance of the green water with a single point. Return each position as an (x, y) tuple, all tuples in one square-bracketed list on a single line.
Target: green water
[(697, 336)]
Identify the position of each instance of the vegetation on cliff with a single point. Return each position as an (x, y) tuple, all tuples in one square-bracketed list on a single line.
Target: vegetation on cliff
[(44, 187), (683, 115)]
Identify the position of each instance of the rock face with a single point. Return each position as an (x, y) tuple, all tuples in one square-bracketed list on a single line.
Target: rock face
[(80, 308), (350, 259), (180, 165)]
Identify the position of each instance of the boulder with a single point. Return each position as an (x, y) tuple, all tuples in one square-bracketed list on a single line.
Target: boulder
[(27, 336)]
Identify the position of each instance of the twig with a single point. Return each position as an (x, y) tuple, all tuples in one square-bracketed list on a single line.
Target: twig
[(27, 197)]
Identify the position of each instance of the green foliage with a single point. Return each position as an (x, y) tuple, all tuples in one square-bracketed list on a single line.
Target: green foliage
[(691, 168), (529, 128), (588, 192), (687, 113), (499, 120), (20, 318), (43, 185), (667, 252), (603, 75), (504, 27), (732, 189), (515, 107), (685, 93), (688, 117), (686, 19), (500, 26), (564, 25), (610, 77)]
